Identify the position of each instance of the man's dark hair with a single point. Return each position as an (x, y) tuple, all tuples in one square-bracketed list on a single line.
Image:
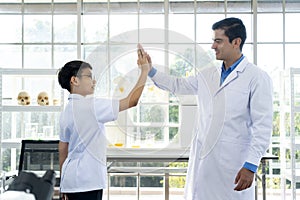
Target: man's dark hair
[(233, 27), (70, 69)]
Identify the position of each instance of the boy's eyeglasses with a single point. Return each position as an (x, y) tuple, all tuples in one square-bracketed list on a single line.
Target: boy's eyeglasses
[(87, 75)]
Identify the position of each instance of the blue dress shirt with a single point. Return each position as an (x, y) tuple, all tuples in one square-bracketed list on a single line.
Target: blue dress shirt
[(225, 72)]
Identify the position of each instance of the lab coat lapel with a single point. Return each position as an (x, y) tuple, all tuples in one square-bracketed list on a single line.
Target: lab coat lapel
[(234, 74), (214, 83)]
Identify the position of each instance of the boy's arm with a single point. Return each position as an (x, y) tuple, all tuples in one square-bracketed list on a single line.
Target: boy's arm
[(63, 153), (133, 97)]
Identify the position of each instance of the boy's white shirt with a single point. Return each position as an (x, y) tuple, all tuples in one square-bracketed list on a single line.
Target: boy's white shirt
[(82, 126)]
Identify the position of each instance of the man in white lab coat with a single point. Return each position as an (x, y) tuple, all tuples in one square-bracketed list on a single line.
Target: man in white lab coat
[(235, 123)]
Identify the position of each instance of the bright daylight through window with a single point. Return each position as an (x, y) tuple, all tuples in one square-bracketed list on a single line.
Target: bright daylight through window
[(40, 36)]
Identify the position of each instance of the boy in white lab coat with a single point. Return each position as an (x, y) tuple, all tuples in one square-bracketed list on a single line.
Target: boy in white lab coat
[(82, 146)]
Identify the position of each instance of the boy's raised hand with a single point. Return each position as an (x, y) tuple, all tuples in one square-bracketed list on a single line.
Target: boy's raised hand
[(143, 57)]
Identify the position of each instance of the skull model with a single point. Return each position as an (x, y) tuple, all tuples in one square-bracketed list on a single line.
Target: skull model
[(23, 98), (43, 99)]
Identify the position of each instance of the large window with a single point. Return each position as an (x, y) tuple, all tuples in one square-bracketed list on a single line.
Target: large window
[(39, 36)]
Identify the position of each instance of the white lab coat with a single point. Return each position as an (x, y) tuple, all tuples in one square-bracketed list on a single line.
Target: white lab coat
[(234, 127)]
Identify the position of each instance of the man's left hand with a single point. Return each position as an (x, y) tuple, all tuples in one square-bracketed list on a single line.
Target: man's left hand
[(244, 179)]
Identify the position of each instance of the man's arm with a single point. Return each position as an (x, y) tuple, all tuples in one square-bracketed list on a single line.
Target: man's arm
[(261, 110)]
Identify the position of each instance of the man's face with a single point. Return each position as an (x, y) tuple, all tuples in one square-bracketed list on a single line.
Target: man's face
[(223, 48)]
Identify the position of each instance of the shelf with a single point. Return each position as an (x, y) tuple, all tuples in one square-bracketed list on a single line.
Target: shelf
[(144, 154), (17, 142), (31, 108), (295, 70), (151, 170), (29, 72), (126, 154), (33, 81), (11, 143), (292, 142)]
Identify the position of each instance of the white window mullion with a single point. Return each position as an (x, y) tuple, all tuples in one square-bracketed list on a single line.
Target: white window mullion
[(79, 29), (254, 16)]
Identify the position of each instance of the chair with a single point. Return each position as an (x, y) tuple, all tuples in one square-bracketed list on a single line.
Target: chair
[(38, 156)]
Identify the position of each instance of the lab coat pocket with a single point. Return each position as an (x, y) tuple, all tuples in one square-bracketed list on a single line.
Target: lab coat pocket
[(232, 155), (237, 100)]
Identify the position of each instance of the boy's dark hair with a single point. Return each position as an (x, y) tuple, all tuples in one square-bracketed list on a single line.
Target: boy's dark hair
[(70, 69), (233, 27)]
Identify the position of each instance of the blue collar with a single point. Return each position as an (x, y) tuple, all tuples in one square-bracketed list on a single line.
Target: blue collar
[(225, 72)]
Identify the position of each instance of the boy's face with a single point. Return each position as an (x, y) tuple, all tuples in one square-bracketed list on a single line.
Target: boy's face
[(85, 83)]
